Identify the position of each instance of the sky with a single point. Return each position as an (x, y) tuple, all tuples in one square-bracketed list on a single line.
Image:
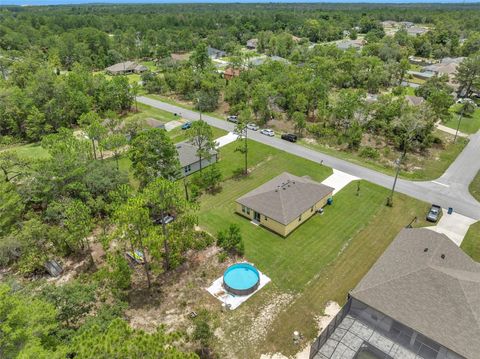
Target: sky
[(65, 2)]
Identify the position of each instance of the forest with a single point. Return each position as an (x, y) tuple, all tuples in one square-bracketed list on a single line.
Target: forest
[(103, 180)]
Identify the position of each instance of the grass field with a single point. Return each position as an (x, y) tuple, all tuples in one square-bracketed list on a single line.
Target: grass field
[(469, 124), (471, 242), (429, 167), (474, 187), (322, 260)]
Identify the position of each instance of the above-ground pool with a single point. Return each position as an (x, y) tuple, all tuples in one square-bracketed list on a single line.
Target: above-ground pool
[(241, 279)]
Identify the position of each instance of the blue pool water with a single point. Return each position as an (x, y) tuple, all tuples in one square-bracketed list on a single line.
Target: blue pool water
[(241, 276)]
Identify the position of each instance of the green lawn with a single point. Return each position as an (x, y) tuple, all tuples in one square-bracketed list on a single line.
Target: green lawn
[(29, 151), (145, 111), (321, 260), (471, 243), (475, 187), (468, 124)]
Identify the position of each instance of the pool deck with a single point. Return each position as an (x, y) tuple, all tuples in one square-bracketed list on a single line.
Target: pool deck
[(233, 301)]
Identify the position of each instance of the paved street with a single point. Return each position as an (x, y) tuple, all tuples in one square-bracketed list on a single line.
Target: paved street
[(450, 190)]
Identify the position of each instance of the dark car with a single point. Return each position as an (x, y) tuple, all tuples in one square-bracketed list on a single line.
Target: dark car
[(186, 125), (232, 118), (289, 137), (165, 220), (434, 214)]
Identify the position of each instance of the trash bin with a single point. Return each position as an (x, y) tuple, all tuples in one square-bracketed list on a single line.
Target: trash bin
[(450, 210), (330, 200)]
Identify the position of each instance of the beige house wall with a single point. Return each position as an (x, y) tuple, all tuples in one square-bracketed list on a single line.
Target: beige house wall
[(277, 227)]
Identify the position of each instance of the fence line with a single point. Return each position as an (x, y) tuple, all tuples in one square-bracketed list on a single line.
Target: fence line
[(323, 337)]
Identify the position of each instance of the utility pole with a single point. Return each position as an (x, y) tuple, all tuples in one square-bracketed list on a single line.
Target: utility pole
[(399, 162), (459, 121)]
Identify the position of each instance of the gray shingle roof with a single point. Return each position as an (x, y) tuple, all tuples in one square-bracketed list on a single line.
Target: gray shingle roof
[(126, 66), (187, 153), (438, 297), (285, 197)]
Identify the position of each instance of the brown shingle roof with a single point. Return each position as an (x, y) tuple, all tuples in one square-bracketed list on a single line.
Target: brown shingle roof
[(285, 197), (438, 297)]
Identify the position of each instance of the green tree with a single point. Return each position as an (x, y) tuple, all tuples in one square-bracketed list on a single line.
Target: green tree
[(115, 142), (94, 129), (27, 326), (11, 207), (73, 301), (153, 155), (468, 75), (79, 223), (241, 128), (300, 121), (200, 135), (231, 240), (164, 197), (199, 57)]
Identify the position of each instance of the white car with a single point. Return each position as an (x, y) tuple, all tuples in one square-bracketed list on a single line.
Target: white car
[(267, 132), (252, 126)]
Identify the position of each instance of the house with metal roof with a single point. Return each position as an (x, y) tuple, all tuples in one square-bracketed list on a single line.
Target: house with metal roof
[(252, 44), (421, 299), (189, 160), (215, 53), (284, 203)]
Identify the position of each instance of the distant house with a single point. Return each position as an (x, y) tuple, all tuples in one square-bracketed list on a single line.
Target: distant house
[(423, 75), (180, 57), (189, 160), (420, 300), (414, 100), (447, 66), (127, 67), (284, 203), (215, 53), (257, 61), (252, 44), (416, 30), (347, 44), (230, 73), (422, 61)]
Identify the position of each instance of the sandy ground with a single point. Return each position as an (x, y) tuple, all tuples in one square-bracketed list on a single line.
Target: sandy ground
[(331, 311)]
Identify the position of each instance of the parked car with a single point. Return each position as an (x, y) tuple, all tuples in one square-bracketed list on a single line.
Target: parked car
[(289, 137), (267, 132), (252, 126), (186, 125), (232, 118), (434, 214)]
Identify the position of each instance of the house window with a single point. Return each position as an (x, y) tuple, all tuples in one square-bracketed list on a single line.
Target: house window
[(187, 169), (311, 209), (244, 209), (248, 210), (300, 218), (266, 218)]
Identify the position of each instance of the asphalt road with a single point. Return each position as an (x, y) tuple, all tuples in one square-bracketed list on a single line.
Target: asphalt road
[(450, 190)]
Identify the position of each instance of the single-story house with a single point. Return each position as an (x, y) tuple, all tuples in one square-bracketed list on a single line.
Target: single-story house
[(423, 61), (230, 73), (424, 75), (284, 203), (215, 53), (127, 67), (347, 44), (257, 61), (252, 44), (189, 160), (421, 299), (414, 100)]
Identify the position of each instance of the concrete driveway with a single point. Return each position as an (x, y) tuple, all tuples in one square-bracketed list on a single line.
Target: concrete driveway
[(455, 226)]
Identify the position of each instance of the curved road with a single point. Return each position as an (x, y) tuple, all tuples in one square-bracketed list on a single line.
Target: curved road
[(450, 190)]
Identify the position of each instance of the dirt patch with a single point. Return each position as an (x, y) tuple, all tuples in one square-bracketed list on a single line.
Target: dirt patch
[(281, 125)]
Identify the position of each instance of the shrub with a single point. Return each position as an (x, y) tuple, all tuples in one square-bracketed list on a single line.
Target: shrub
[(231, 240), (369, 152)]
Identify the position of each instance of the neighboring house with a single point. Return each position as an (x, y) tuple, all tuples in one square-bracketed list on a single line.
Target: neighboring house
[(425, 75), (422, 61), (420, 300), (189, 160), (215, 53), (284, 203), (180, 57), (447, 66), (416, 31), (127, 67), (252, 44), (347, 44), (414, 100), (230, 73)]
